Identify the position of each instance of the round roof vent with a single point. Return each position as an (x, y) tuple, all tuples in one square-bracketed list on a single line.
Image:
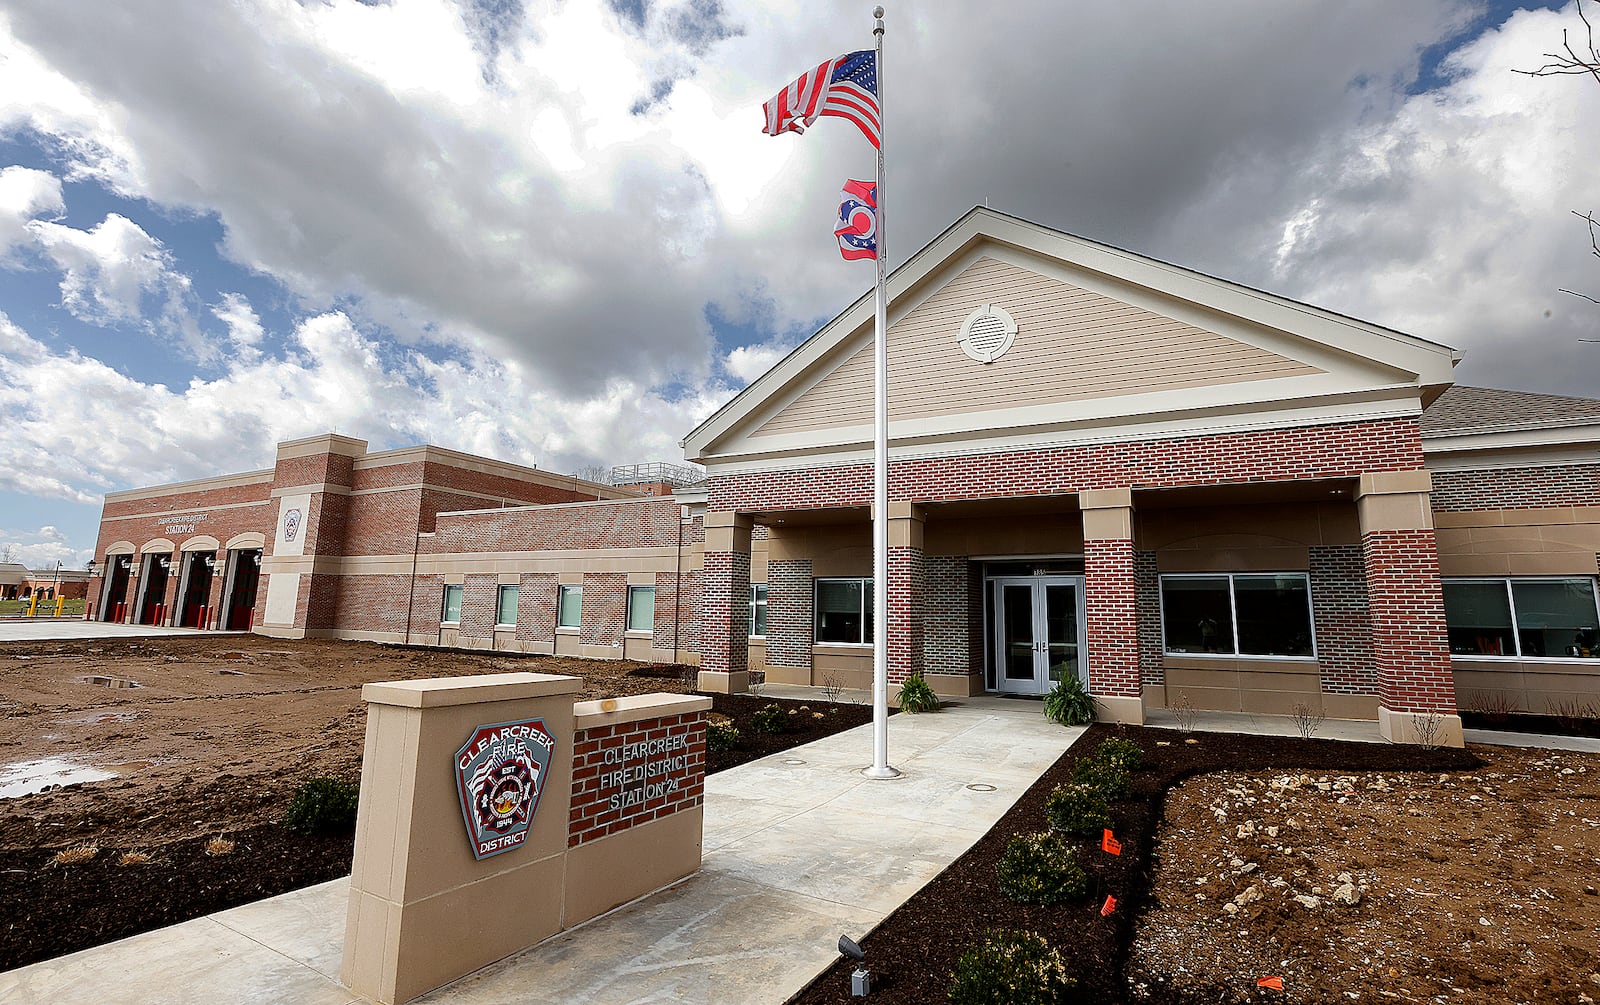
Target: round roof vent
[(988, 333)]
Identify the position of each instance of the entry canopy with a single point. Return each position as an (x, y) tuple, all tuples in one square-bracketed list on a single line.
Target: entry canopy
[(1100, 344)]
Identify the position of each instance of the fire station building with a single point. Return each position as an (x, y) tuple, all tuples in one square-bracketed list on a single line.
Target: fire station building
[(1179, 489)]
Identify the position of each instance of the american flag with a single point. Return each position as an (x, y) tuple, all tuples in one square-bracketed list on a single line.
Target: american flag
[(846, 86)]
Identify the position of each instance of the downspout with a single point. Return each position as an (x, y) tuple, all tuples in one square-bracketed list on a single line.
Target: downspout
[(411, 594)]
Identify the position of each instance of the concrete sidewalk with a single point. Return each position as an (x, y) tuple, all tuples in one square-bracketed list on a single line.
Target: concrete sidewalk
[(31, 630), (799, 849)]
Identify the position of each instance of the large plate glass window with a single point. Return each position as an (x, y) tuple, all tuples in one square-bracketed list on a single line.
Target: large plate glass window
[(506, 606), (1527, 618), (1238, 614), (641, 608), (569, 607), (451, 609), (844, 611), (758, 610)]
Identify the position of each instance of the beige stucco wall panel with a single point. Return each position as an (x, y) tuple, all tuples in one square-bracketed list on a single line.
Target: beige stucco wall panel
[(1035, 535), (1224, 558), (1207, 528), (613, 870)]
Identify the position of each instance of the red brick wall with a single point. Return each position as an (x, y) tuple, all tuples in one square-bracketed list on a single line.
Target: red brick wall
[(383, 524), (725, 600), (1407, 615), (1516, 488), (313, 469), (605, 608), (1110, 600), (1342, 450), (907, 584), (601, 757)]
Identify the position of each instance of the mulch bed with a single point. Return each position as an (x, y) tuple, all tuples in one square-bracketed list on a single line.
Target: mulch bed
[(914, 951), (1522, 722), (52, 910)]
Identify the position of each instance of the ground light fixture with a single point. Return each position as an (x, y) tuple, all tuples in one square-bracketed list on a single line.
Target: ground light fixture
[(860, 977)]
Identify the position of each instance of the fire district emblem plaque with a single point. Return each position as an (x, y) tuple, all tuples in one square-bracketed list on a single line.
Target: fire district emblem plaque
[(500, 774)]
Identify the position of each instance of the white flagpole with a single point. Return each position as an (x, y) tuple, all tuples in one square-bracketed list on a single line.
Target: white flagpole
[(880, 465)]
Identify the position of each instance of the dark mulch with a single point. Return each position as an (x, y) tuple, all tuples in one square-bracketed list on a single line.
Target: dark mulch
[(1521, 722), (52, 910), (913, 952)]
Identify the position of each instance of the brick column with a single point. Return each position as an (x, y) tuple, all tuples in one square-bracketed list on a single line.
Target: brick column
[(1416, 690), (725, 604), (790, 619), (905, 596), (1111, 603)]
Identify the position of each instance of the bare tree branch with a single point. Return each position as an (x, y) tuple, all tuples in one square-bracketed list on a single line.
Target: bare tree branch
[(1569, 61)]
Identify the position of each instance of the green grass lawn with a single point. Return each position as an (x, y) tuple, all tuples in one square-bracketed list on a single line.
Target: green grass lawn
[(47, 608)]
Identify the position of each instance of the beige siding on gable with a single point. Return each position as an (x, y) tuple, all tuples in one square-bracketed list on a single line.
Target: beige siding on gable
[(1072, 344)]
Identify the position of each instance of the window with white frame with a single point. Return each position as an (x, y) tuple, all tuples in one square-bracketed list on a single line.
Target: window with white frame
[(450, 610), (569, 607), (1532, 617), (1237, 614), (641, 608), (505, 610), (844, 611), (758, 610)]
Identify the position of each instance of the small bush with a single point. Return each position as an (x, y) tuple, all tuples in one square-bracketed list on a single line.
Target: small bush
[(1010, 968), (1068, 703), (721, 735), (219, 846), (1040, 869), (1121, 752), (916, 696), (82, 854), (769, 720), (1078, 808), (133, 858), (1111, 780), (323, 806)]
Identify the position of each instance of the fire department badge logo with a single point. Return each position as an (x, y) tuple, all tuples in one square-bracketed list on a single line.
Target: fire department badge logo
[(500, 774), (291, 524)]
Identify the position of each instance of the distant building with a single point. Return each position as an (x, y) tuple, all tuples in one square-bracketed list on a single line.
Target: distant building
[(18, 582), (1178, 489)]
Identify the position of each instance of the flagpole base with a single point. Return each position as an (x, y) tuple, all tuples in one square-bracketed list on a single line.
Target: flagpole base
[(884, 772)]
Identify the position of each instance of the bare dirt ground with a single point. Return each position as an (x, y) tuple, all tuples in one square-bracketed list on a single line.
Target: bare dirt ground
[(1477, 887), (218, 733)]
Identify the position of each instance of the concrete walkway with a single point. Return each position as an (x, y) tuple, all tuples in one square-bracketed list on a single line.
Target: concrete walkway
[(35, 630), (799, 849)]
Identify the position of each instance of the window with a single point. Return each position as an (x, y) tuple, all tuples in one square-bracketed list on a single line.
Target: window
[(844, 611), (758, 610), (641, 608), (569, 607), (1526, 618), (451, 612), (506, 606), (1238, 614)]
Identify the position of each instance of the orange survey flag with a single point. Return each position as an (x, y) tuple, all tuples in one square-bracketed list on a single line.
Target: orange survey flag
[(1275, 983), (1110, 844), (1109, 906)]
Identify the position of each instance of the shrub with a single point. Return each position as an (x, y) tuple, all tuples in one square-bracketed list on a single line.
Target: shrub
[(1040, 869), (1078, 808), (79, 855), (769, 720), (721, 735), (1121, 752), (1010, 968), (917, 696), (1068, 703), (323, 806), (219, 846), (1111, 780)]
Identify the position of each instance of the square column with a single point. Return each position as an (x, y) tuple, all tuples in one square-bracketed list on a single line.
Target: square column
[(905, 596), (725, 604), (1400, 559), (1111, 604)]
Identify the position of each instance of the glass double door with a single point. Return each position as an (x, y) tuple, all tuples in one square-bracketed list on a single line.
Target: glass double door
[(1038, 636)]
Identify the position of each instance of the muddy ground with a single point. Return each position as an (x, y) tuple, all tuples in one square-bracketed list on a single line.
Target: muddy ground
[(220, 730)]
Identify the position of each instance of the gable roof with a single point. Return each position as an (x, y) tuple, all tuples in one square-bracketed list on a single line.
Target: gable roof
[(1423, 364), (1464, 410)]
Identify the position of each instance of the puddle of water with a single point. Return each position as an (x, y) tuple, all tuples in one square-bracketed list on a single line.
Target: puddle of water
[(29, 777), (103, 681), (101, 718)]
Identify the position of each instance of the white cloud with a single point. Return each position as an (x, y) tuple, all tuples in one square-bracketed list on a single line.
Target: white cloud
[(41, 549), (748, 362), (25, 193)]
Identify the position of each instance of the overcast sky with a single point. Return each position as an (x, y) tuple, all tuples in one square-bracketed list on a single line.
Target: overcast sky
[(553, 232)]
